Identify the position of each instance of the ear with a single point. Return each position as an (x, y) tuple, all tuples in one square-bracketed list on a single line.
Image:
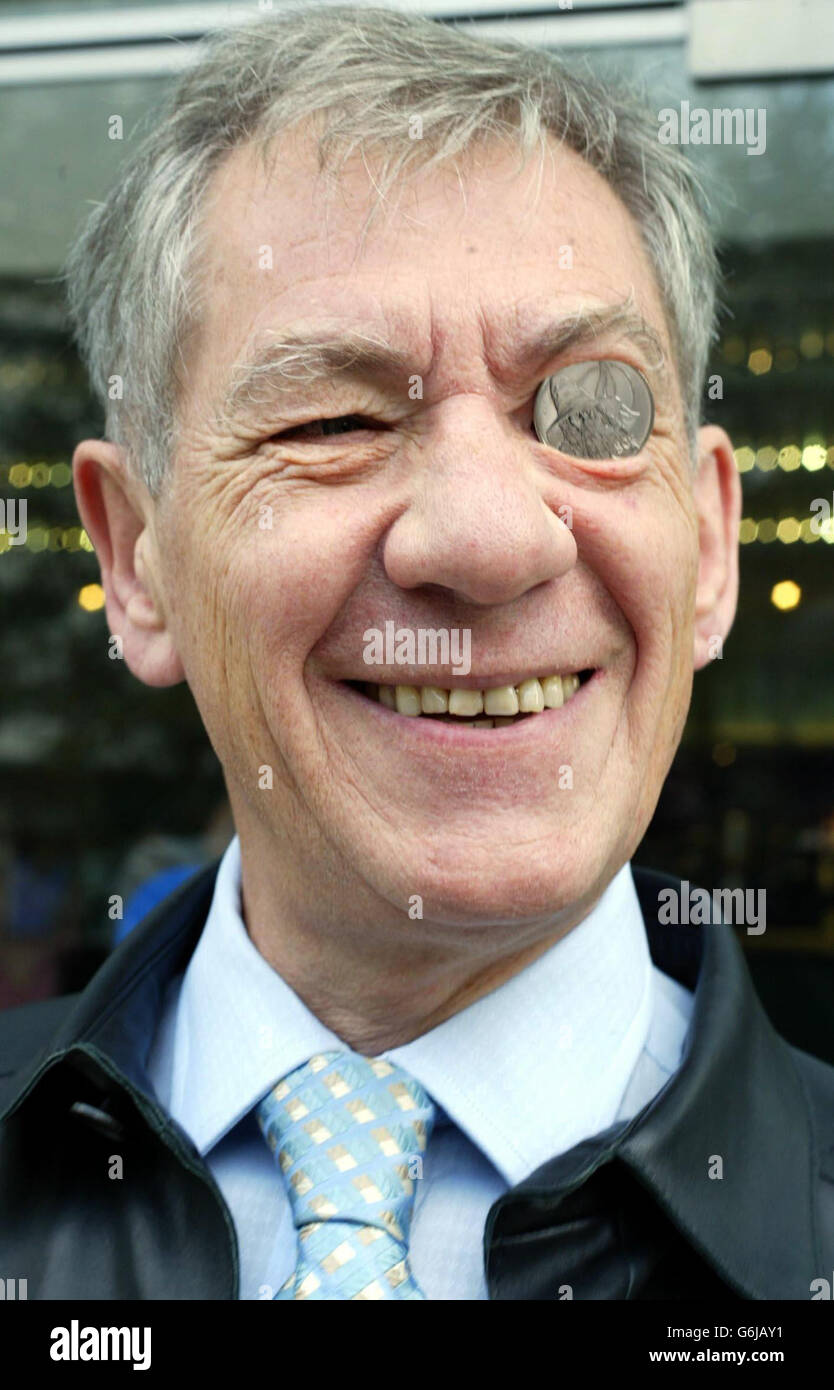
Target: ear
[(717, 491), (117, 512)]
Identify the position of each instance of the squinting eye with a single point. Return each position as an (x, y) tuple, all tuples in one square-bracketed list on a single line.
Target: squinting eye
[(595, 410), (334, 425)]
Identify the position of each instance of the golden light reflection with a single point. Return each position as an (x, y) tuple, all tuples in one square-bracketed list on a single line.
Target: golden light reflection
[(91, 598), (785, 595)]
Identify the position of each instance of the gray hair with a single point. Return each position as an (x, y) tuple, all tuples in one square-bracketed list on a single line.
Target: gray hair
[(132, 275)]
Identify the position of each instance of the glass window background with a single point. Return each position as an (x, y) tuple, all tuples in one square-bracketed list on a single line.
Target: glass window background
[(106, 783)]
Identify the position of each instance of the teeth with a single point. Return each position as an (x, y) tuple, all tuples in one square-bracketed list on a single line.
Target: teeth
[(465, 702), (433, 700), (408, 699), (530, 697), (503, 700), (501, 703), (553, 692)]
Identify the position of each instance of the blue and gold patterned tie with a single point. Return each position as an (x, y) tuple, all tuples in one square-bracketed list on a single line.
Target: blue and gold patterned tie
[(347, 1133)]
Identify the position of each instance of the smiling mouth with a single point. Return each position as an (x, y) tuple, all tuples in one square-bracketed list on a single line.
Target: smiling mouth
[(494, 708)]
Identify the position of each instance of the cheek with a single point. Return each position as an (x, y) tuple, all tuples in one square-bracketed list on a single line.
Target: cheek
[(294, 579), (654, 577), (206, 590), (303, 574), (269, 585)]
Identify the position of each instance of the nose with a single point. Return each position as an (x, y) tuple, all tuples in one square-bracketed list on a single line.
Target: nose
[(477, 523)]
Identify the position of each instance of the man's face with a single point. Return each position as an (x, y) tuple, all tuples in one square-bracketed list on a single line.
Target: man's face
[(439, 508)]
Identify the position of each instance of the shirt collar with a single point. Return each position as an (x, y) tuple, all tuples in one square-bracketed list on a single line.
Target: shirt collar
[(532, 1068), (526, 1071), (238, 1027)]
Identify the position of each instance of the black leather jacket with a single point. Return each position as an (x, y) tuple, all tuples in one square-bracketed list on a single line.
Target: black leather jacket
[(633, 1213)]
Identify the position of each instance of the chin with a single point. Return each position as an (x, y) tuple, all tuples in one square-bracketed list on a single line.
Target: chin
[(488, 885)]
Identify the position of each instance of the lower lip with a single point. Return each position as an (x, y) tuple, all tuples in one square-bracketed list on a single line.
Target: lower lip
[(422, 730)]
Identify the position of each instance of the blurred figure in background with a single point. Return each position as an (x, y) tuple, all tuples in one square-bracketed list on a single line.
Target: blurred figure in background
[(159, 863)]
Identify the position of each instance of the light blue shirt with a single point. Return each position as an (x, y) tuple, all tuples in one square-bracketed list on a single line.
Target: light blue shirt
[(584, 1036)]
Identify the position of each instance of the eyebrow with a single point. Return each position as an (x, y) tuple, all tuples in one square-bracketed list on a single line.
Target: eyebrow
[(585, 326), (283, 362)]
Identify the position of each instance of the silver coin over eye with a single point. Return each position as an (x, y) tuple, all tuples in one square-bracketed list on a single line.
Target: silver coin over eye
[(595, 410)]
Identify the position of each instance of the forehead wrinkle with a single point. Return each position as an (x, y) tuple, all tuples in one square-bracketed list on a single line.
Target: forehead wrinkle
[(280, 361)]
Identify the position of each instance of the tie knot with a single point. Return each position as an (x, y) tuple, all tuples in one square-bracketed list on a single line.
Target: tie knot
[(348, 1133)]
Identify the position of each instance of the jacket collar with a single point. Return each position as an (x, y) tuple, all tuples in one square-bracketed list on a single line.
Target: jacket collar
[(737, 1096)]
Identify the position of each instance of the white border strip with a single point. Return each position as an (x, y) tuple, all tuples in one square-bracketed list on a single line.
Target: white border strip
[(79, 28), (161, 59), (95, 64), (780, 39)]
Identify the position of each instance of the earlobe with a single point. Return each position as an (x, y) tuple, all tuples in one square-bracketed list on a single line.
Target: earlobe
[(717, 491), (117, 512)]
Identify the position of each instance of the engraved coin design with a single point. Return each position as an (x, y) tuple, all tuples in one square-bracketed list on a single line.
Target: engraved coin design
[(595, 410)]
